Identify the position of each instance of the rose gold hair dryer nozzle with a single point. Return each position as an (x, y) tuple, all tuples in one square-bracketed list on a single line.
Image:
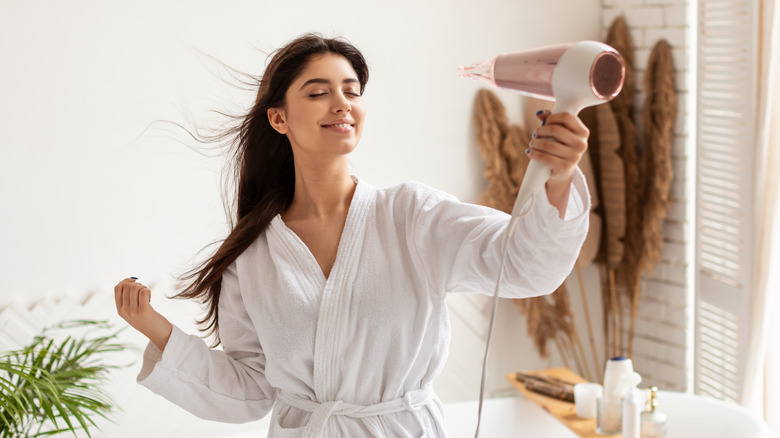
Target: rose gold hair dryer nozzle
[(574, 75)]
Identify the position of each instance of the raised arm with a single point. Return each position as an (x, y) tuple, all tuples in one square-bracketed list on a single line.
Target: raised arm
[(459, 245), (227, 385)]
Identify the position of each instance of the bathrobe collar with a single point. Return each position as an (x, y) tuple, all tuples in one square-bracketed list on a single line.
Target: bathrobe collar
[(337, 289), (351, 236)]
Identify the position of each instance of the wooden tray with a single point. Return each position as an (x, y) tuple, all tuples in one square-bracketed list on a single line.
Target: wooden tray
[(565, 412)]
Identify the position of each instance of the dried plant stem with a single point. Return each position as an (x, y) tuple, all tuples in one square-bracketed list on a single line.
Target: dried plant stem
[(658, 116), (614, 315), (573, 353), (563, 352), (570, 346), (634, 311), (621, 321), (582, 356), (591, 338)]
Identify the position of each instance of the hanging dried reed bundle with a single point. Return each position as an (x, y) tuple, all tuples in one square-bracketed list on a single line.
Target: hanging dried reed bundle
[(548, 317), (626, 273), (490, 118), (500, 145), (590, 246), (613, 181), (516, 160), (604, 151), (589, 119), (658, 117), (613, 186), (619, 38)]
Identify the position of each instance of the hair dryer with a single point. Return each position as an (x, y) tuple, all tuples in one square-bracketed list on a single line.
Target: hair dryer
[(574, 75)]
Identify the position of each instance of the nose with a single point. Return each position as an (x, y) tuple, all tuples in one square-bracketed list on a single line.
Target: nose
[(341, 104)]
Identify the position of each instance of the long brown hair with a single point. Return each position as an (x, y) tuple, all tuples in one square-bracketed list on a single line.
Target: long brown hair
[(263, 169)]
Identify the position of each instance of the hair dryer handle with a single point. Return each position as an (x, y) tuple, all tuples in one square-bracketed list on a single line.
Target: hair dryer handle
[(535, 177)]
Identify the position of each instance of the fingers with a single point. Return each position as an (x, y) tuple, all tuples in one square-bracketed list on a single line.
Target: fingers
[(144, 296), (133, 305), (569, 121), (118, 292), (131, 297), (562, 128), (559, 142)]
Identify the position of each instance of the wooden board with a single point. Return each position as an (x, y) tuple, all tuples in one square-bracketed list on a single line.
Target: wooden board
[(565, 412)]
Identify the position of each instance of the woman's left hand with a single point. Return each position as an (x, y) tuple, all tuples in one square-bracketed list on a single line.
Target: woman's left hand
[(559, 144)]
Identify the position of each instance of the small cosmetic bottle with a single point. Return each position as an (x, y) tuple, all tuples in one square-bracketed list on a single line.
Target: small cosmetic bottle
[(632, 410), (652, 423)]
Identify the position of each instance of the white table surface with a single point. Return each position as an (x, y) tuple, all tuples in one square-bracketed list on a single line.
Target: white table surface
[(515, 417)]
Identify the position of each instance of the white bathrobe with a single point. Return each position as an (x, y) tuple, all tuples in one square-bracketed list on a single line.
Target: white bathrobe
[(355, 354)]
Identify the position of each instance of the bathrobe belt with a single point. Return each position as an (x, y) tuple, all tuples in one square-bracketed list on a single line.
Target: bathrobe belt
[(321, 412)]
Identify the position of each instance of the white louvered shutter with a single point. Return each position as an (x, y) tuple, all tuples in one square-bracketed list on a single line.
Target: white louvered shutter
[(726, 150)]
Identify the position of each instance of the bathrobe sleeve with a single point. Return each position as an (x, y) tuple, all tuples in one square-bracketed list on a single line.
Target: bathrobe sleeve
[(226, 385), (460, 245)]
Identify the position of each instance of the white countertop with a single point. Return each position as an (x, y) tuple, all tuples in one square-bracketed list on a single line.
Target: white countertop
[(501, 417)]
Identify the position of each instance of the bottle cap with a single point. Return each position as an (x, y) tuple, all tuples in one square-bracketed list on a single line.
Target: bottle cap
[(652, 401)]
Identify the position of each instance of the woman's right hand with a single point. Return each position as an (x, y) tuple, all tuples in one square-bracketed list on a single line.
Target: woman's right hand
[(133, 305)]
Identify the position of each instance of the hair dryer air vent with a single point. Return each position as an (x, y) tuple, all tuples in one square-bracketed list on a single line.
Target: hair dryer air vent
[(607, 75)]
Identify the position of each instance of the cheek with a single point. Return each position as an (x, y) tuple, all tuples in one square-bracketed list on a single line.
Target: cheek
[(299, 116), (359, 110)]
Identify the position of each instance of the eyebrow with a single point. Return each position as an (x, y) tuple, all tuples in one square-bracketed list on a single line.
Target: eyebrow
[(326, 81)]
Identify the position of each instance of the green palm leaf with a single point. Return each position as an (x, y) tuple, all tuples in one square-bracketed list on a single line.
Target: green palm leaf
[(54, 384)]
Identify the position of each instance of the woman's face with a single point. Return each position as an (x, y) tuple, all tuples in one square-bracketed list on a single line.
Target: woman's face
[(323, 113)]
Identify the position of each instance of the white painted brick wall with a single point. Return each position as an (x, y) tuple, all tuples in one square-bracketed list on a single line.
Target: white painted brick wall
[(660, 343)]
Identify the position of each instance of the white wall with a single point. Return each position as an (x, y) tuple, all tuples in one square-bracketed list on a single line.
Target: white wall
[(88, 196)]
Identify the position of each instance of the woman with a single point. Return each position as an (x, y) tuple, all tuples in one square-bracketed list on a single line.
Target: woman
[(328, 295)]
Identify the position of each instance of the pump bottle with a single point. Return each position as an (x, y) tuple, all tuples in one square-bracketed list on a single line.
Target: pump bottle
[(653, 421), (632, 407)]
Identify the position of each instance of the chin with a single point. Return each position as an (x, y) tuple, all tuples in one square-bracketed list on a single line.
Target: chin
[(347, 147)]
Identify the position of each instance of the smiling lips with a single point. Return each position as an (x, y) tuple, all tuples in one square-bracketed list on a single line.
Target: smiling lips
[(341, 126)]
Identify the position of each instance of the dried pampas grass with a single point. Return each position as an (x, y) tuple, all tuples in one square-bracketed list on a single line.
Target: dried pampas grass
[(549, 319), (625, 273), (634, 232), (613, 186), (604, 151), (500, 146), (619, 38), (658, 118)]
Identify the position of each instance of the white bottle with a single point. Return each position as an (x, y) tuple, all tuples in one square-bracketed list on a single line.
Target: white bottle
[(632, 408), (617, 370), (653, 421)]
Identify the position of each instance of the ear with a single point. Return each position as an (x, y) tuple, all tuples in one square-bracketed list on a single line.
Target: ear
[(278, 120)]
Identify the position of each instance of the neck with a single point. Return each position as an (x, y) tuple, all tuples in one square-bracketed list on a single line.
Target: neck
[(322, 191)]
